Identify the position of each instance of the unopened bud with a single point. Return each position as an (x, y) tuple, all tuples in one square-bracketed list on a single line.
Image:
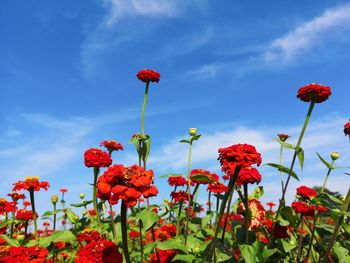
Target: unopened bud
[(334, 156), (20, 237), (54, 199), (193, 131), (84, 212), (82, 195), (342, 198)]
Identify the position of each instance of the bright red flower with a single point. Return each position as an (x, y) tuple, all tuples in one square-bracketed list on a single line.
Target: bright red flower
[(97, 158), (303, 208), (283, 137), (101, 251), (63, 190), (321, 208), (177, 181), (26, 203), (217, 188), (165, 256), (306, 192), (88, 236), (207, 177), (7, 207), (248, 175), (16, 196), (23, 214), (180, 196), (271, 204), (30, 183), (347, 128), (147, 75), (278, 230), (134, 234), (225, 177), (257, 213), (112, 146), (26, 255), (243, 155), (314, 92)]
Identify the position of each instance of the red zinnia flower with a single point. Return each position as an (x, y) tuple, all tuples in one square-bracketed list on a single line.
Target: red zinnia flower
[(283, 137), (177, 181), (347, 128), (16, 196), (165, 256), (271, 204), (6, 207), (97, 158), (63, 190), (257, 212), (112, 145), (243, 155), (278, 230), (180, 196), (314, 92), (134, 234), (147, 75), (99, 252), (248, 176), (26, 254), (303, 208), (217, 188), (30, 183), (306, 192), (88, 236)]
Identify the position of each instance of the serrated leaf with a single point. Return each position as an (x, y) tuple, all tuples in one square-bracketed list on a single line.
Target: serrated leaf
[(184, 258), (148, 218), (329, 166), (283, 169)]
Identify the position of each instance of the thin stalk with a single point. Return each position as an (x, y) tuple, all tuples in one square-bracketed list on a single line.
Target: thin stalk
[(54, 217), (326, 178), (114, 231), (188, 190), (226, 218), (281, 153), (31, 194), (246, 214), (209, 204), (178, 219), (141, 244), (143, 108), (94, 198), (123, 211), (195, 194), (300, 248), (337, 227)]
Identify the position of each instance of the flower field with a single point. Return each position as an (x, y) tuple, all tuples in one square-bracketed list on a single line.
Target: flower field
[(120, 222)]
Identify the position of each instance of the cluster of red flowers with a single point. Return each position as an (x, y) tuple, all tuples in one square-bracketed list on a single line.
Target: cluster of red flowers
[(248, 175), (243, 155), (97, 158), (206, 176), (347, 128), (30, 183), (177, 181), (306, 192), (88, 236), (24, 214), (126, 183), (16, 196), (165, 256), (314, 92), (303, 208), (134, 234), (6, 207), (147, 75), (217, 188), (99, 251), (25, 254), (112, 146)]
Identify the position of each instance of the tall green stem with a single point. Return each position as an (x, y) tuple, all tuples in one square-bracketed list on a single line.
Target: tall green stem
[(143, 109), (123, 212), (188, 190), (326, 178), (281, 176), (113, 227), (31, 194), (226, 217), (94, 198), (300, 249), (54, 217)]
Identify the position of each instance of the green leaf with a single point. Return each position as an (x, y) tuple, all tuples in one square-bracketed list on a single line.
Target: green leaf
[(186, 141), (170, 175), (332, 198), (195, 138), (148, 147), (184, 258), (288, 245), (50, 213), (287, 213), (85, 203), (285, 144), (268, 253), (283, 169), (240, 234), (73, 218), (300, 154), (203, 178), (329, 166), (257, 193), (205, 220), (10, 241), (6, 223), (341, 252), (148, 218), (172, 243), (249, 252), (221, 256), (58, 236)]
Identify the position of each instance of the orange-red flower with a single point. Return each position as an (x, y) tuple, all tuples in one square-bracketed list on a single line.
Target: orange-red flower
[(303, 208), (248, 175), (147, 75), (306, 192), (30, 183), (256, 213), (217, 188), (99, 252), (16, 196), (6, 207), (177, 181), (112, 146), (314, 92), (63, 190), (97, 158)]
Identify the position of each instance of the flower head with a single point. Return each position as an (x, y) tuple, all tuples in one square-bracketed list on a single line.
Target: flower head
[(97, 158), (303, 208), (30, 183), (147, 75), (347, 128), (16, 196), (112, 146), (26, 254), (98, 252), (306, 192), (217, 188), (248, 175), (177, 181), (256, 213), (63, 190), (316, 93), (283, 137), (201, 176)]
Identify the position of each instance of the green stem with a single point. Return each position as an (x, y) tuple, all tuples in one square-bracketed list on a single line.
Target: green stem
[(143, 109), (178, 219), (300, 239), (226, 218), (94, 198), (123, 211), (31, 194), (337, 227), (114, 231), (209, 204), (54, 217), (326, 178), (141, 244), (188, 190), (281, 153)]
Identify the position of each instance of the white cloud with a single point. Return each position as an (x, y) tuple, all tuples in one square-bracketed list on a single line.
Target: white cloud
[(309, 34)]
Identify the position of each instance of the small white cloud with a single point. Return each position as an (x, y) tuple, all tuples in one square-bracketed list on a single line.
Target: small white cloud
[(309, 34), (206, 71)]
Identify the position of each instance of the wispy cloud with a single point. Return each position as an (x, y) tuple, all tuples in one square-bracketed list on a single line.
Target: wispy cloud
[(309, 34)]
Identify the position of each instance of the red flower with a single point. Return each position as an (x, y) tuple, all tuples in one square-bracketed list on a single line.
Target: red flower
[(278, 230), (180, 196), (271, 204), (303, 208), (306, 192), (63, 190), (177, 181), (30, 183), (165, 256), (134, 234), (257, 213), (321, 208), (88, 236), (147, 75), (112, 145), (92, 212), (6, 207), (314, 92), (101, 251), (206, 176), (16, 196), (347, 128), (217, 188), (97, 158), (283, 137), (243, 155), (248, 176), (26, 254)]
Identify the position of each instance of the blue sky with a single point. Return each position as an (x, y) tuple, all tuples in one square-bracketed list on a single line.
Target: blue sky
[(229, 68)]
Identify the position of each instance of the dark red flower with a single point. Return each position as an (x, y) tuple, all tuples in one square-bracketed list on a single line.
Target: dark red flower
[(147, 75), (283, 137), (278, 230), (7, 207), (314, 92), (321, 208), (23, 214), (165, 256), (16, 196), (303, 208), (243, 155), (97, 158), (177, 181), (248, 175), (180, 196), (217, 188), (205, 176), (101, 251), (30, 183), (88, 236), (25, 254), (112, 146), (347, 128), (306, 192)]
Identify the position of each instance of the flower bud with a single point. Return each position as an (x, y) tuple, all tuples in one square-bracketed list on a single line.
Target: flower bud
[(20, 237), (54, 199), (82, 195), (193, 131), (84, 212), (342, 198), (292, 242), (334, 156)]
